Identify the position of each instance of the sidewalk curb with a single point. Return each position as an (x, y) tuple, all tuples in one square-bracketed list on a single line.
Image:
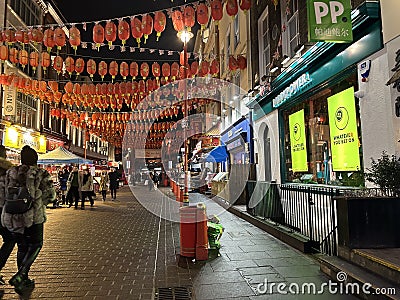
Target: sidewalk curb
[(296, 241)]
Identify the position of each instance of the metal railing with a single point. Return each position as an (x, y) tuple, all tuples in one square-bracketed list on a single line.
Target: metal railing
[(305, 209)]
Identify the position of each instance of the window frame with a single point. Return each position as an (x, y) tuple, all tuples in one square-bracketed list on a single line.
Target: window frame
[(263, 64)]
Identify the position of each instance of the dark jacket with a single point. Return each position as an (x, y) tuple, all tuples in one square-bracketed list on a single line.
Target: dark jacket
[(63, 178), (114, 177), (40, 187), (4, 166)]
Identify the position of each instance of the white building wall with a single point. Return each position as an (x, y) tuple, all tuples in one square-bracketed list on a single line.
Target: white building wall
[(377, 110), (270, 120)]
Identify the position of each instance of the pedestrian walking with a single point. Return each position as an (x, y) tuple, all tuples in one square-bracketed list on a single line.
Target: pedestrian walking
[(87, 187), (63, 179), (8, 238), (73, 187), (151, 181), (114, 182), (27, 227), (103, 186)]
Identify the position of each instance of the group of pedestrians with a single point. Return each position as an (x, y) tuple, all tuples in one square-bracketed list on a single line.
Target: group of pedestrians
[(79, 185), (25, 228)]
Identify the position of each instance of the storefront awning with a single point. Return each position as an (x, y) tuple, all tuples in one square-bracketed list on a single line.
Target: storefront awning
[(62, 156), (218, 154)]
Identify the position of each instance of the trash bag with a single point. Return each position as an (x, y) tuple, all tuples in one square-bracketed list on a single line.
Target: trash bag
[(214, 232)]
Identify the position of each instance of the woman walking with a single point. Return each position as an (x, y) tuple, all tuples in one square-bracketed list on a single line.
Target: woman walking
[(27, 227), (87, 188), (113, 176), (103, 186)]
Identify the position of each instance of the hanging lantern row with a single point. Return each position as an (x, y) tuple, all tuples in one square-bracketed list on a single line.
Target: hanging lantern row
[(238, 63), (138, 27), (167, 72)]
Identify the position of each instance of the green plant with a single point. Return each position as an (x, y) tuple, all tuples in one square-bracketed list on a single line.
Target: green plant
[(385, 172)]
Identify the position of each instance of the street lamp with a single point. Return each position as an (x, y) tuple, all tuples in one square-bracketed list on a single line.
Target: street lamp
[(185, 37)]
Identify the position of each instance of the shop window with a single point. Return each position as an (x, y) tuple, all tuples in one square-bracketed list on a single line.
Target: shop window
[(264, 43), (318, 141), (290, 25)]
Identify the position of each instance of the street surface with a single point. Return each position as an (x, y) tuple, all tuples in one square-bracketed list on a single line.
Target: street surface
[(119, 250)]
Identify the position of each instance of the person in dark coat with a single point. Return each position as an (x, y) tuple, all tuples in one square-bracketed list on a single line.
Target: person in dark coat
[(63, 179), (114, 181), (28, 227), (74, 187), (8, 238)]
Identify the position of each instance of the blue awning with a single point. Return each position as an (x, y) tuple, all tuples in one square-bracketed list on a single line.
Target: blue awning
[(218, 154)]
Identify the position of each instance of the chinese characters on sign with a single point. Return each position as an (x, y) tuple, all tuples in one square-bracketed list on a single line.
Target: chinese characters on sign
[(329, 21)]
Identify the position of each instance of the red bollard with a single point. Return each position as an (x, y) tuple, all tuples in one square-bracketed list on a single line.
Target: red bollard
[(188, 230), (201, 233)]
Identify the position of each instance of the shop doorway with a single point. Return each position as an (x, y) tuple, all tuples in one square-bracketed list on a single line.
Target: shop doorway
[(267, 154)]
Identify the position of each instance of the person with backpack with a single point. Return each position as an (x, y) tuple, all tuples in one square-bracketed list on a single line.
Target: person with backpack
[(8, 238), (32, 185)]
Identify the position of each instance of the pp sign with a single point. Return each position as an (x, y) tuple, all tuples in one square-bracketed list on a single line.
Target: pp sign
[(329, 21)]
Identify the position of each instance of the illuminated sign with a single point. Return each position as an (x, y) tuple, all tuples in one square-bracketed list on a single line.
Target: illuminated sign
[(298, 143), (292, 90)]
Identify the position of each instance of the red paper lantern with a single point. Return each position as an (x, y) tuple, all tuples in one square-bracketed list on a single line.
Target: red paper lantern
[(202, 15), (21, 36), (177, 20), (124, 69), (48, 39), (233, 64), (245, 5), (160, 20), (242, 62), (70, 65), (214, 67), (144, 70), (110, 33), (69, 86), (205, 67), (103, 69), (232, 8), (155, 68), (34, 60), (136, 28), (147, 26), (134, 70), (23, 57), (35, 36), (166, 70), (3, 52), (91, 67), (216, 10), (113, 69), (194, 68), (124, 31), (189, 17), (45, 60), (9, 36), (59, 38), (13, 55), (174, 70), (79, 66), (58, 64), (98, 35), (74, 37)]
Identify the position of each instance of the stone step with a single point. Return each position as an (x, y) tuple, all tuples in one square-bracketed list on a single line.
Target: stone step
[(383, 262), (370, 285)]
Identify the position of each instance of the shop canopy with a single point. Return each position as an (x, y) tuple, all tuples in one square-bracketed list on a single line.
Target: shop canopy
[(61, 155), (218, 154)]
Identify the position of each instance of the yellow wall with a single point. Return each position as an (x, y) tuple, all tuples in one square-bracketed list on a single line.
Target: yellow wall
[(390, 19)]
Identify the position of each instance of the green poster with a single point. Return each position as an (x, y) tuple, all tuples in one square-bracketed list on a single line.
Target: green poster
[(298, 142), (343, 131), (329, 21)]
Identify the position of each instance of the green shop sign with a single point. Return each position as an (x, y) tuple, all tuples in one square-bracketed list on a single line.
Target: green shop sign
[(298, 144), (294, 88), (343, 131), (329, 21)]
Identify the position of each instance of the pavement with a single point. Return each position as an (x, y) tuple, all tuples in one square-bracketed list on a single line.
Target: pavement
[(119, 250)]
